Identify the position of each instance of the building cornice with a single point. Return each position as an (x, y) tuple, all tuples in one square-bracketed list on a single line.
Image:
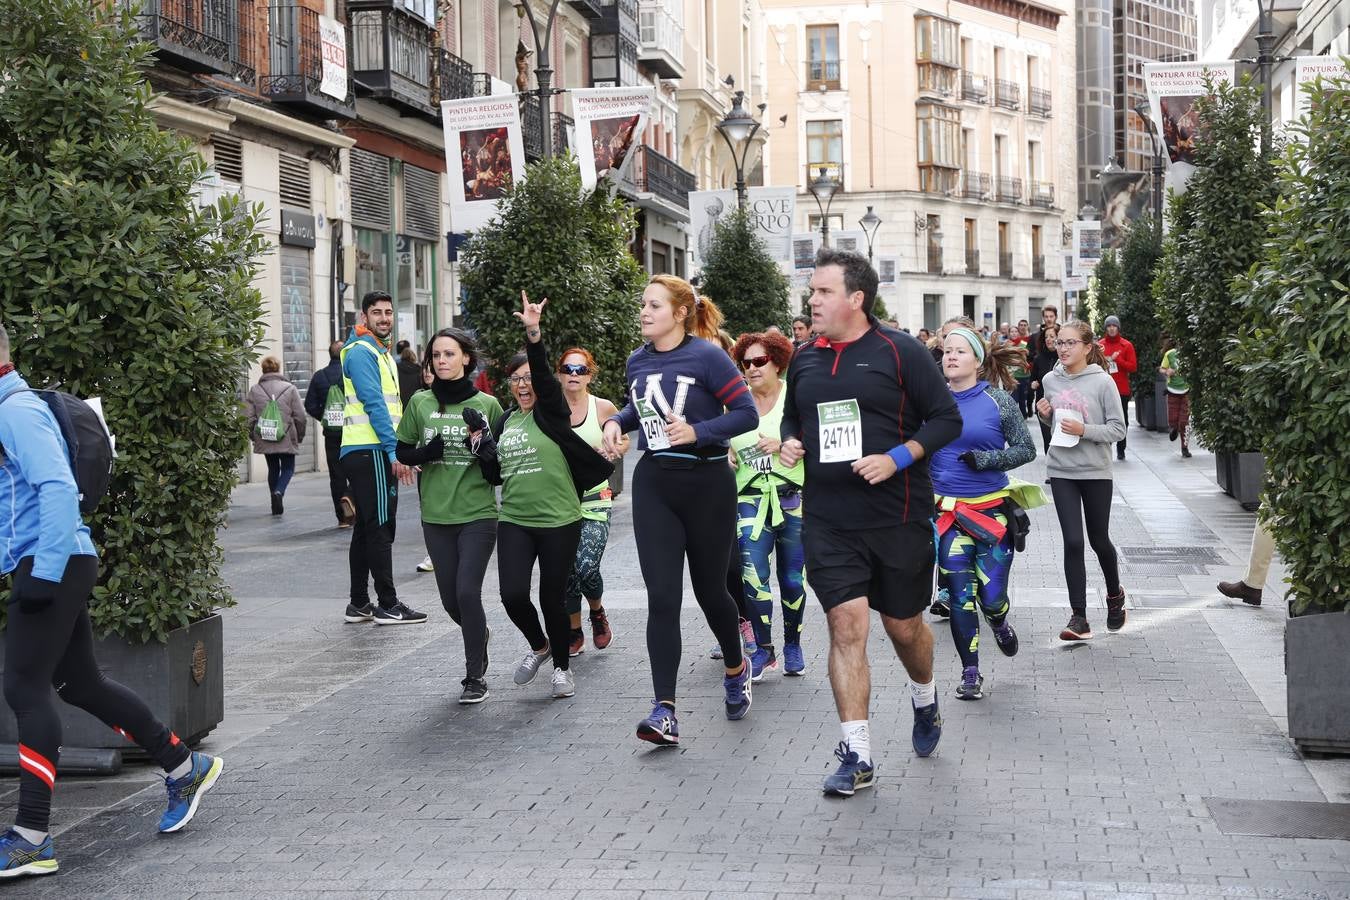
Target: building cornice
[(1021, 10), (189, 118), (272, 120)]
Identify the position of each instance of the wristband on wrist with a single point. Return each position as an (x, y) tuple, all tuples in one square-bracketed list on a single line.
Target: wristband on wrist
[(902, 457)]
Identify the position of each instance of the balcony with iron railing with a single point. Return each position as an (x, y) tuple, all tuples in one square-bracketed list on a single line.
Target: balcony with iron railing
[(974, 87), (972, 261), (204, 36), (563, 128), (531, 127), (974, 185), (822, 73), (1005, 264), (934, 259), (456, 79), (1042, 194), (1008, 189), (661, 38), (662, 176), (296, 71), (392, 53), (590, 9), (1038, 267), (1038, 102), (1007, 94)]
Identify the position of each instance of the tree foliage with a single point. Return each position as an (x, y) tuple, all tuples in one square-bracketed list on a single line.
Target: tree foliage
[(553, 241), (1215, 236), (748, 284), (1295, 355), (115, 285), (1134, 302), (1103, 293)]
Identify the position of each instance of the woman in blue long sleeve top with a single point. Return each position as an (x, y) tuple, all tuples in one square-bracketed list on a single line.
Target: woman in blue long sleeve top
[(970, 481), (688, 400)]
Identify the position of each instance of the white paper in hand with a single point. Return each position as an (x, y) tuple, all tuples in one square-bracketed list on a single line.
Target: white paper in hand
[(1059, 437)]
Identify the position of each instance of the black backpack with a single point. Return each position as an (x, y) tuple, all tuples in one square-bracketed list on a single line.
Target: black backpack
[(91, 452)]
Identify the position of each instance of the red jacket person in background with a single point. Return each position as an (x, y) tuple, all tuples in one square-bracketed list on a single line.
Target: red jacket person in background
[(1120, 364)]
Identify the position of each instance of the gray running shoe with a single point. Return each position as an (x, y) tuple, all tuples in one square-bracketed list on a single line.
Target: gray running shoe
[(529, 666), (564, 685)]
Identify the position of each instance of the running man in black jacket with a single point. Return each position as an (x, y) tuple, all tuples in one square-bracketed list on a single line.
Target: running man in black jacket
[(867, 406)]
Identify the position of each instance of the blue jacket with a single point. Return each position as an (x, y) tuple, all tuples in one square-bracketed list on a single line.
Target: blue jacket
[(995, 432), (364, 372), (39, 503)]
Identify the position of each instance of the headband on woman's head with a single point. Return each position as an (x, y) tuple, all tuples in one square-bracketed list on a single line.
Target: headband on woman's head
[(976, 344)]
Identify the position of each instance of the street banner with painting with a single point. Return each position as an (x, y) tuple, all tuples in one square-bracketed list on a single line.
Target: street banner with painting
[(333, 56), (1307, 69), (1087, 246), (1125, 197), (609, 126), (483, 144), (1070, 278), (1173, 89), (887, 269), (771, 209), (805, 245)]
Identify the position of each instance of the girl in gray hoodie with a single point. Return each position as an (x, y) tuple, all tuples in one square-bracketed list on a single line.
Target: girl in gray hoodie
[(1082, 408)]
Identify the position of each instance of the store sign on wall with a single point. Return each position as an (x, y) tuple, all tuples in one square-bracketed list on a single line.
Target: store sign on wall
[(297, 229)]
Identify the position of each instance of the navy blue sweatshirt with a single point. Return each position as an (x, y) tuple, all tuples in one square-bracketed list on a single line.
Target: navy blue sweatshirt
[(697, 382)]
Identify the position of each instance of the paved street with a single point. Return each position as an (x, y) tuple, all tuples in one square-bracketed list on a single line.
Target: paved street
[(352, 772)]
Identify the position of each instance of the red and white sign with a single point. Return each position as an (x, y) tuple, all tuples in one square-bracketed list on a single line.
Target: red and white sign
[(333, 45)]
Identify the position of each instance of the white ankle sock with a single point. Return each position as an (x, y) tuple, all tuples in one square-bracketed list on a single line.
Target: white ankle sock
[(858, 738), (923, 694), (31, 835), (182, 769)]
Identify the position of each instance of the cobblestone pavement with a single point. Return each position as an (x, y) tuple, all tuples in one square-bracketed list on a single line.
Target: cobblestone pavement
[(352, 772)]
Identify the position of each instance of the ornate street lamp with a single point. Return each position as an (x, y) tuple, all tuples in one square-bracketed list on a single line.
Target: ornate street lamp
[(738, 128), (543, 73), (823, 187), (869, 223), (1142, 111)]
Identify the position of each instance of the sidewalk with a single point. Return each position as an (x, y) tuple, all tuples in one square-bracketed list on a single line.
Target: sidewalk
[(352, 772)]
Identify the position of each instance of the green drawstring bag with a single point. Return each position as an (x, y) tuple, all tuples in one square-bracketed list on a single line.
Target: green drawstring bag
[(334, 405), (271, 424)]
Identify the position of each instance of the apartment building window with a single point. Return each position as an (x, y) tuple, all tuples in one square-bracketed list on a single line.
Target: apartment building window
[(939, 128), (932, 312), (822, 56), (938, 41), (972, 247), (825, 145), (836, 223)]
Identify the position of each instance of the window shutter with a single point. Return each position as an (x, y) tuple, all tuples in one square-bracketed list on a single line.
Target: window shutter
[(229, 157), (294, 183), (370, 190), (421, 203)]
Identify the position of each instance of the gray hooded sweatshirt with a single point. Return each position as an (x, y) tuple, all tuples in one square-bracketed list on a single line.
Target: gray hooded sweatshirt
[(1093, 394)]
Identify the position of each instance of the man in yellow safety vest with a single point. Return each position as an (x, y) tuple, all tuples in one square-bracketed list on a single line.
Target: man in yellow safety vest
[(369, 417)]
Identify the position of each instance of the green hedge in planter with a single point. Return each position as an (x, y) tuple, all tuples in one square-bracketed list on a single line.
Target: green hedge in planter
[(116, 285), (553, 241), (745, 282), (1296, 356), (1103, 293), (1135, 306), (1215, 236)]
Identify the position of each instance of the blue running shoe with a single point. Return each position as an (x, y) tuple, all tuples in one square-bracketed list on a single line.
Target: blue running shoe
[(20, 856), (185, 792), (738, 692), (661, 727), (927, 728), (852, 775), (794, 663), (763, 659)]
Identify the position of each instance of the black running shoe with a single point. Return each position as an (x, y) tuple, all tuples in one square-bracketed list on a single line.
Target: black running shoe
[(475, 691), (1078, 629), (940, 609), (357, 614), (1115, 612), (1006, 639), (399, 614)]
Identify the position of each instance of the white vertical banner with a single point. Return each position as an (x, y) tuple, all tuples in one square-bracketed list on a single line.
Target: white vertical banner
[(805, 245), (483, 144), (1173, 89), (1070, 279), (706, 209), (850, 241), (1087, 246), (609, 124), (887, 267), (1308, 69), (771, 210), (333, 48)]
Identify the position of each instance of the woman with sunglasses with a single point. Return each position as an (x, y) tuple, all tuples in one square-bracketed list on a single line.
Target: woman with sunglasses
[(576, 370), (769, 506), (1082, 408), (689, 401), (545, 469)]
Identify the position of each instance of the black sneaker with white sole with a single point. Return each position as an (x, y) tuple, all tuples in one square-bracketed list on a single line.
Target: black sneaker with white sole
[(357, 614), (475, 691), (398, 614)]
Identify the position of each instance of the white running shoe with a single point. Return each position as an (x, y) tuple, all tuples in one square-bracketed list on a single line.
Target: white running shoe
[(564, 685), (425, 565)]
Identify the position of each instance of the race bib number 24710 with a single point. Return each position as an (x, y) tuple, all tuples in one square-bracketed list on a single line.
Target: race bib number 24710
[(840, 431)]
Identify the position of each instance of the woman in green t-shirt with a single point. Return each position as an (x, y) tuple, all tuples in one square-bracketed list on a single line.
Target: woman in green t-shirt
[(769, 505), (459, 505), (1178, 397)]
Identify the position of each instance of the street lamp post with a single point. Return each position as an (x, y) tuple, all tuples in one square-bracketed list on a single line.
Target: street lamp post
[(543, 73), (869, 223), (1265, 58), (823, 187), (738, 128), (1142, 111)]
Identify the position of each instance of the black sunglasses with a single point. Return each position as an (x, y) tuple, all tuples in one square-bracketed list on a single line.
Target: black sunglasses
[(756, 362), (576, 368)]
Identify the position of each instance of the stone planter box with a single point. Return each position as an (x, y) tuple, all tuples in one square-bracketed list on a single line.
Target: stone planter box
[(1146, 412), (1160, 401), (182, 681), (1246, 474), (1317, 672), (1223, 467)]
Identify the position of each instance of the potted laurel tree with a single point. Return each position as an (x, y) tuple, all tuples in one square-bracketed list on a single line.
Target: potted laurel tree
[(1296, 359), (1139, 320), (1214, 237), (114, 284), (1103, 291)]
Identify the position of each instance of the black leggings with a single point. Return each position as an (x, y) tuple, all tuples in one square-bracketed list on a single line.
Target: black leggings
[(337, 479), (679, 513), (1125, 410), (54, 647), (555, 548), (1074, 502), (460, 554), (375, 493)]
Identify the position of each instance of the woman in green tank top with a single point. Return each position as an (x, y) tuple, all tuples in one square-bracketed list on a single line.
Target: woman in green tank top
[(769, 506), (576, 370)]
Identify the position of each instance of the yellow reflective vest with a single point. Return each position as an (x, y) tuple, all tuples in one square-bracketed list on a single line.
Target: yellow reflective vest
[(357, 430)]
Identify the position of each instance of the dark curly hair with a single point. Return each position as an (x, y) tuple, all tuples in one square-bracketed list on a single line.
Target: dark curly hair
[(778, 346)]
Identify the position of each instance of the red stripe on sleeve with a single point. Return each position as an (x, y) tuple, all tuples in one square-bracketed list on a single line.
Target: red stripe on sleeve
[(722, 393), (726, 401)]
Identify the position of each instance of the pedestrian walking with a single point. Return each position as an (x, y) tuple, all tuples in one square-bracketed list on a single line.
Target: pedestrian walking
[(276, 422), (324, 402), (1049, 318), (689, 400), (1121, 362), (976, 525), (545, 469), (409, 372), (1043, 364), (369, 443), (866, 407), (769, 508), (444, 432), (46, 550), (1251, 585), (576, 370), (1082, 408), (1178, 398), (801, 330)]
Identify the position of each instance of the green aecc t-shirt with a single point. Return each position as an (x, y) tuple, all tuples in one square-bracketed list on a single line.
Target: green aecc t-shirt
[(453, 488), (537, 489)]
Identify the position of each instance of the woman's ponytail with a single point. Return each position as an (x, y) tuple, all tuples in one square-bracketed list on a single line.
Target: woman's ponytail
[(706, 320), (999, 362)]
